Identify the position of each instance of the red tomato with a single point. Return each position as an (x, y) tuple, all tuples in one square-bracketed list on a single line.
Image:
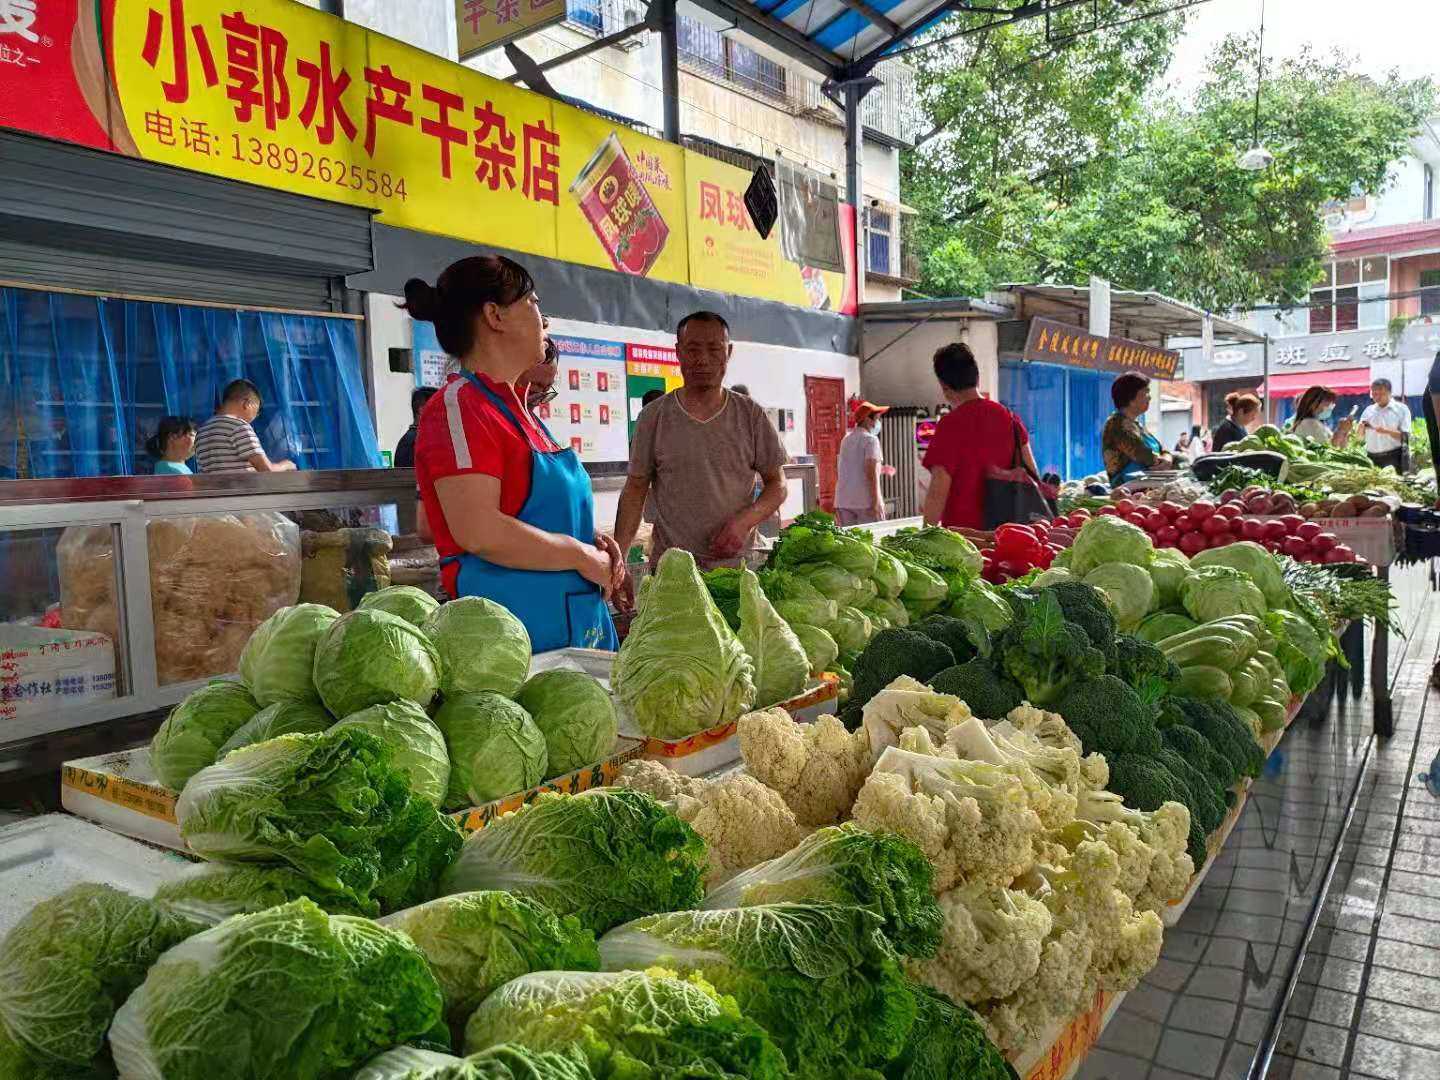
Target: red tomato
[(1276, 530), (1340, 553), (1308, 530), (1201, 510), (1292, 523), (1324, 543), (1229, 510), (1171, 510), (1040, 528), (1185, 523), (1167, 536), (1214, 526), (1078, 518), (1294, 547), (1251, 529), (1192, 543), (1107, 511), (1223, 539), (1139, 519), (1125, 506)]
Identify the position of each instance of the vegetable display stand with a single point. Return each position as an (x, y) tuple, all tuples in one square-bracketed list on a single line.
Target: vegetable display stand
[(1060, 1054)]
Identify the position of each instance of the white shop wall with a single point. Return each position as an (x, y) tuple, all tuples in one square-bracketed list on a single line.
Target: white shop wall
[(901, 371)]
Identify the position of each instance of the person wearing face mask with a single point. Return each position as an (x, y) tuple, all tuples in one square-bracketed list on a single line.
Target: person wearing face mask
[(858, 500), (1314, 409), (511, 511)]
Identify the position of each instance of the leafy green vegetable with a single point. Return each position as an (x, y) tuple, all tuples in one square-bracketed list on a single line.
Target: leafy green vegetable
[(885, 874), (282, 718), (936, 547), (212, 892), (576, 716), (606, 856), (945, 1042), (482, 647), (1164, 624), (330, 805), (409, 603), (833, 581), (1301, 651), (723, 584), (821, 650), (1044, 652), (982, 605), (193, 733), (65, 968), (495, 748), (478, 941), (781, 664), (508, 1061), (681, 669), (796, 600), (1129, 589), (818, 977), (924, 589), (1168, 572), (629, 1025), (417, 748), (890, 574), (278, 663), (1110, 540), (1217, 591), (287, 992), (371, 657), (1255, 562)]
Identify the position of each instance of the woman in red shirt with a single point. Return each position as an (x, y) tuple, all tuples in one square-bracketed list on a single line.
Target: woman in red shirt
[(511, 511), (974, 436)]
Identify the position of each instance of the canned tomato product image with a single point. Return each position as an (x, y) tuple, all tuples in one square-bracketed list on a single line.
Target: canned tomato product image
[(614, 200)]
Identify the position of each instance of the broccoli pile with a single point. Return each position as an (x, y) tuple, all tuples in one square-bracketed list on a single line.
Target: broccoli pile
[(895, 652), (976, 682)]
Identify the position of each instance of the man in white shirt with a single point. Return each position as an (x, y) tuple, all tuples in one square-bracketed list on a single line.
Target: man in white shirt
[(227, 443), (857, 474), (1386, 424)]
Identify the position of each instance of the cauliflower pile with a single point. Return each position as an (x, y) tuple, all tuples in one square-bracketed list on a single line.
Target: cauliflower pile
[(744, 823), (817, 768)]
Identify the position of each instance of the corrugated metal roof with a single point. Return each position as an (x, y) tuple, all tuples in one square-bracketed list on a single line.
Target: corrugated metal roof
[(1387, 239)]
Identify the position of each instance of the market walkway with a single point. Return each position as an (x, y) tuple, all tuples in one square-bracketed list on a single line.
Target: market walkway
[(1366, 998)]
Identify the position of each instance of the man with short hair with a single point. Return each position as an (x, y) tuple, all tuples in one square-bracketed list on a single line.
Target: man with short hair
[(697, 451), (1386, 424), (227, 442), (405, 449)]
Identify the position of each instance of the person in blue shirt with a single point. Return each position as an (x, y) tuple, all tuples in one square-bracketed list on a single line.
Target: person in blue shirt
[(172, 445)]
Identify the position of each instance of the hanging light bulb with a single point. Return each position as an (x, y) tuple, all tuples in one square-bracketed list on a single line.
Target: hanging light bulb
[(1258, 158)]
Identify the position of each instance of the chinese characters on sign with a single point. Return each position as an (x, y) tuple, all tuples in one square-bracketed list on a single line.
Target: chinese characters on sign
[(615, 202), (483, 24), (1060, 343), (590, 403)]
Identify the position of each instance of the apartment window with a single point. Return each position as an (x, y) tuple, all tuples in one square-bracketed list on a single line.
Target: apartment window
[(1344, 297), (586, 14), (1430, 292), (710, 52), (879, 241), (1429, 207)]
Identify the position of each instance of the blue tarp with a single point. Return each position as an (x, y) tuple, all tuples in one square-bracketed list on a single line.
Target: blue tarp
[(84, 380), (1064, 410)]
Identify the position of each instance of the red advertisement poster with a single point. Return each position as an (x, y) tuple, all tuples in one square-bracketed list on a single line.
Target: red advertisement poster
[(52, 73), (620, 209)]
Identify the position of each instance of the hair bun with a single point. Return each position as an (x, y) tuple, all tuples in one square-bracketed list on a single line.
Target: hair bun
[(422, 300)]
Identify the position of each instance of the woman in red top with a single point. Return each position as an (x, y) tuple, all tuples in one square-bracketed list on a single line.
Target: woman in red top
[(511, 511), (974, 436)]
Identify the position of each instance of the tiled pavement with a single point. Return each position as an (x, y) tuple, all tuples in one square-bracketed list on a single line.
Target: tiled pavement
[(1366, 1002)]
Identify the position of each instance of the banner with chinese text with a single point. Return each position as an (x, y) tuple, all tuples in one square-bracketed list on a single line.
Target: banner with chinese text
[(728, 255), (483, 24), (588, 413)]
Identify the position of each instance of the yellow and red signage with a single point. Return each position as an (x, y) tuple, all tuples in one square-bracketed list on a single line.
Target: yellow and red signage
[(277, 94), (483, 24)]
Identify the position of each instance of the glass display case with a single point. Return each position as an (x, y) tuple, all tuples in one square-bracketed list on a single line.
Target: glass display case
[(118, 595)]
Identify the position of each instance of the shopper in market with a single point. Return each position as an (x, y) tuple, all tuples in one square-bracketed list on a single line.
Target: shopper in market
[(858, 500), (511, 511), (227, 442), (405, 449), (1315, 407), (973, 436), (539, 381), (1127, 447), (698, 451), (1243, 413), (172, 445), (1385, 424)]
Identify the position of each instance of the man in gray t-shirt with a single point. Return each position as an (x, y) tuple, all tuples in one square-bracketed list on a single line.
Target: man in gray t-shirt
[(696, 452)]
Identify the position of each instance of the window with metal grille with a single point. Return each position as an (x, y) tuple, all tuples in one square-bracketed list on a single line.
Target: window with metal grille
[(1430, 292), (879, 240), (709, 52)]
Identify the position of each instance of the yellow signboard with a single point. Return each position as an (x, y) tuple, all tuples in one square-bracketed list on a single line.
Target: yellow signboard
[(483, 24)]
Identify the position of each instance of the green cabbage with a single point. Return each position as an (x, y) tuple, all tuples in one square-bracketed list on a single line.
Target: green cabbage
[(508, 1061), (890, 574), (416, 745), (1053, 576), (482, 647), (833, 581), (1302, 652), (781, 664), (1163, 624), (371, 657), (332, 806), (1130, 590), (576, 716), (681, 669), (193, 733), (924, 587), (982, 604), (212, 892), (891, 609), (495, 748), (634, 1024), (1256, 563), (278, 663), (411, 604), (937, 547), (1110, 540), (65, 968), (287, 992), (282, 718), (605, 856), (818, 977), (478, 941), (1168, 571), (852, 630), (1217, 591), (797, 601), (820, 648)]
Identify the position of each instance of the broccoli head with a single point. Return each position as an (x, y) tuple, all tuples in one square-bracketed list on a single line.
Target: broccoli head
[(1045, 653), (1109, 717), (1225, 731), (1206, 801), (895, 652), (1139, 662), (1085, 606), (948, 631), (1144, 783), (989, 694), (1195, 748)]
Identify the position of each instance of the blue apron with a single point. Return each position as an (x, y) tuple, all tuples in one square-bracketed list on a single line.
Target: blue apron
[(558, 607), (1133, 469)]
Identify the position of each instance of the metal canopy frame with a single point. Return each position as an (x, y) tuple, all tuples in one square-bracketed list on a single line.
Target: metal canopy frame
[(1146, 312)]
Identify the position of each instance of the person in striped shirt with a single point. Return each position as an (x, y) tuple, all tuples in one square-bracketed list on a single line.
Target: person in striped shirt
[(227, 443)]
